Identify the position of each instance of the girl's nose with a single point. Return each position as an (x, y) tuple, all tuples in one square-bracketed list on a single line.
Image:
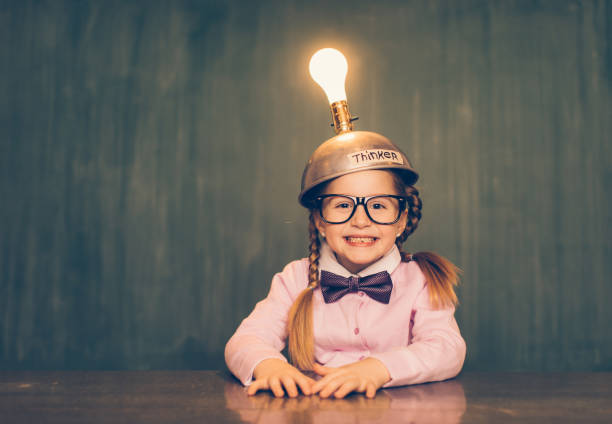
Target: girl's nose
[(360, 218)]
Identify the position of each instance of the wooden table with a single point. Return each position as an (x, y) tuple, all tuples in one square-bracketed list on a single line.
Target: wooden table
[(216, 397)]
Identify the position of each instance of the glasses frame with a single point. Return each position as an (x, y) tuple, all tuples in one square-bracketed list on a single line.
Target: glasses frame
[(403, 200)]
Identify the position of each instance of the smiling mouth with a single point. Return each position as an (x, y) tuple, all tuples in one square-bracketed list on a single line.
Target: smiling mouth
[(360, 241)]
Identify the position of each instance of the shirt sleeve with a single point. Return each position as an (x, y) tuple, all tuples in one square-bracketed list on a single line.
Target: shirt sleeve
[(436, 351), (263, 333)]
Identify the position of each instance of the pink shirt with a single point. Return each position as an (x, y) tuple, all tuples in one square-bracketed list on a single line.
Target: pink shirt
[(416, 343)]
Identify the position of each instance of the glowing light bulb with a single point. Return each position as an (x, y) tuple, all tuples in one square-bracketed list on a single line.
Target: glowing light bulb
[(328, 67)]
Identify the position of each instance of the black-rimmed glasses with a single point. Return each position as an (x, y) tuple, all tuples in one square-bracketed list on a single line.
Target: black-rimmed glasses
[(339, 208)]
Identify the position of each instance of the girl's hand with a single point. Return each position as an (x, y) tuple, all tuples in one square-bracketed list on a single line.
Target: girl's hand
[(363, 376), (274, 374)]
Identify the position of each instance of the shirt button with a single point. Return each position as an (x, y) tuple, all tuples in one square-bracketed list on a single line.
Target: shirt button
[(361, 293), (356, 331)]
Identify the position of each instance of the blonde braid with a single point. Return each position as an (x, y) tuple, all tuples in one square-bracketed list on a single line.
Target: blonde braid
[(414, 206), (300, 326), (313, 257)]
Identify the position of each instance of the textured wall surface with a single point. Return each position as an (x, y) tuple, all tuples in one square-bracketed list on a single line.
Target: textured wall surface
[(151, 155)]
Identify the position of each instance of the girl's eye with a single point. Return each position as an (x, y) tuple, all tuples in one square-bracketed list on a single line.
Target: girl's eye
[(378, 205), (343, 205)]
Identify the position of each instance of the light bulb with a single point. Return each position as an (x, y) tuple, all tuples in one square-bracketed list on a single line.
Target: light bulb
[(328, 67)]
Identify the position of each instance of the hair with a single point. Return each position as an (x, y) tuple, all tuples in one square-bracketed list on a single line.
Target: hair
[(441, 276), (301, 336)]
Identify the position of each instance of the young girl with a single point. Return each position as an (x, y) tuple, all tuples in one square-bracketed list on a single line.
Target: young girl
[(358, 311)]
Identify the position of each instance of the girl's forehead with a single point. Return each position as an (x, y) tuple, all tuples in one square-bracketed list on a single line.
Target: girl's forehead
[(363, 183)]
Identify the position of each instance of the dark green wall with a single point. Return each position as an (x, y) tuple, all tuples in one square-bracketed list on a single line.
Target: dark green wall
[(151, 155)]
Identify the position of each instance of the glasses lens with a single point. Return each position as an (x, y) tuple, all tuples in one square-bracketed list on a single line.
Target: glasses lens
[(383, 209), (337, 208)]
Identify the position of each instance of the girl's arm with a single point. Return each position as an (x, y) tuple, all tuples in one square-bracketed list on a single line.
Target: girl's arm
[(262, 334), (436, 351)]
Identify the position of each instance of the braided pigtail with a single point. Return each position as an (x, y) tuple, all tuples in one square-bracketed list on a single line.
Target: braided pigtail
[(442, 275), (413, 207), (300, 326)]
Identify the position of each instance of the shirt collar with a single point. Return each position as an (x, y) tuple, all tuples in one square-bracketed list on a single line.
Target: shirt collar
[(388, 262)]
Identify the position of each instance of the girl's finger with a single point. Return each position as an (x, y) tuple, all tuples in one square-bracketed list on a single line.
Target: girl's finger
[(370, 390), (346, 388), (257, 385), (331, 373), (276, 388), (331, 387), (305, 383), (317, 386), (289, 385)]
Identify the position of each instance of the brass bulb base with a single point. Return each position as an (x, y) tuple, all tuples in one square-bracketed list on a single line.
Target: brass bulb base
[(341, 117)]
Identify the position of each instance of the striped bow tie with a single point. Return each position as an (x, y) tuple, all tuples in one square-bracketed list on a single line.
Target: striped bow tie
[(378, 286)]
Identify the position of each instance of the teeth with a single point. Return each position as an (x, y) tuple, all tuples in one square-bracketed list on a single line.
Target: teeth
[(360, 239)]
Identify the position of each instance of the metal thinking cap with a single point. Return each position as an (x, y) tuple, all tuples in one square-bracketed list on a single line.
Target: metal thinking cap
[(349, 151), (353, 151)]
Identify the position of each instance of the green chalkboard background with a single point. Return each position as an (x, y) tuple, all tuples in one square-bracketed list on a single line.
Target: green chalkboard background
[(151, 155)]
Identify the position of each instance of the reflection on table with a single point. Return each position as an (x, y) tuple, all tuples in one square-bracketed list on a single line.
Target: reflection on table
[(442, 403)]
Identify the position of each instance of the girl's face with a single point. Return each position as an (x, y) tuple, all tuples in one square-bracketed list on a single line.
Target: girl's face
[(359, 242)]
